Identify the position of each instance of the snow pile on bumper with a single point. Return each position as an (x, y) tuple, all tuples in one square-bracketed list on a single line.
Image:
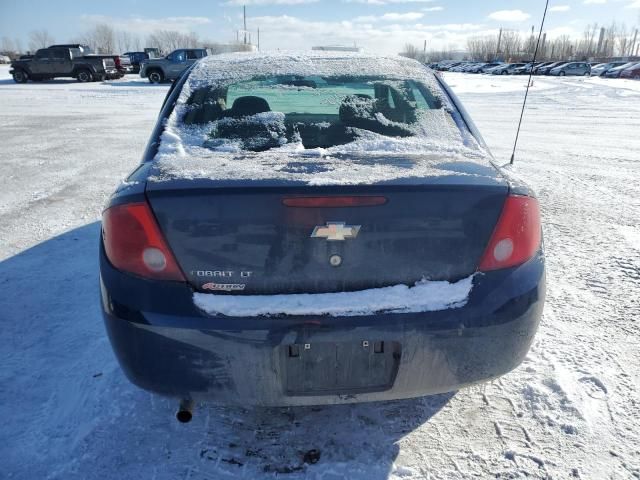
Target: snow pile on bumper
[(425, 296)]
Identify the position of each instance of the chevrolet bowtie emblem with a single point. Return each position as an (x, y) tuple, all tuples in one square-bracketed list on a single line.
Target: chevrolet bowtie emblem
[(336, 231)]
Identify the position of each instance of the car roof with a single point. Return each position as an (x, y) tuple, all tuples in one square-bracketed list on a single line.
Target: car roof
[(322, 63)]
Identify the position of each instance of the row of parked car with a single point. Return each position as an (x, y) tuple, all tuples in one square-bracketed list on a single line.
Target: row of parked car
[(78, 61), (619, 69)]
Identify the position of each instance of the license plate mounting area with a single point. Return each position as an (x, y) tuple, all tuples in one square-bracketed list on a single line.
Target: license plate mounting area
[(340, 368)]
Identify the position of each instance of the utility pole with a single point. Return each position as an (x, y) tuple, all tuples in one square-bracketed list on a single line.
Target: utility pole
[(633, 43), (600, 40), (244, 17), (499, 40), (532, 40), (258, 38)]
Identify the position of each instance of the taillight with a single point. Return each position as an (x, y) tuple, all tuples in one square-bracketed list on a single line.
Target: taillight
[(516, 237), (333, 201), (133, 243)]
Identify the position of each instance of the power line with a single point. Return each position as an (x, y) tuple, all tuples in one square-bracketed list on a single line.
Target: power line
[(524, 103)]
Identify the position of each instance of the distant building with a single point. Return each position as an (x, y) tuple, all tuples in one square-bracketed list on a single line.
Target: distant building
[(336, 48)]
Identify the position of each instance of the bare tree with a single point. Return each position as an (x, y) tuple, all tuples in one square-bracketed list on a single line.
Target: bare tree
[(40, 39), (18, 44), (623, 40), (482, 48), (104, 38), (586, 47), (510, 45), (410, 51), (562, 47), (169, 40), (101, 38), (127, 41), (7, 46)]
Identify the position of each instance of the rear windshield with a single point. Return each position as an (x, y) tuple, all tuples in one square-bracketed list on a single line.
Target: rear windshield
[(311, 112)]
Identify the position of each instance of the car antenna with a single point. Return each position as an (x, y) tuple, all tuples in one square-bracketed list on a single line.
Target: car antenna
[(524, 103)]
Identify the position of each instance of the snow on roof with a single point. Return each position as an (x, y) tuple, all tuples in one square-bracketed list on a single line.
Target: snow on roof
[(214, 68)]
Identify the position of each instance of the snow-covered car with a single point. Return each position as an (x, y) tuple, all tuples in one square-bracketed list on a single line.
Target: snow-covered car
[(4, 59), (317, 228)]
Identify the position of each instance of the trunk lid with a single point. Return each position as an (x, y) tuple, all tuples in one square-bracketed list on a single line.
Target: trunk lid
[(241, 237)]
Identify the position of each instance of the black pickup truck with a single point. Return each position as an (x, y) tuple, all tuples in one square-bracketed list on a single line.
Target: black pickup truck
[(61, 61)]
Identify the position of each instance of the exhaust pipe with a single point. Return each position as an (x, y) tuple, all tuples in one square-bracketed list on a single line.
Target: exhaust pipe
[(185, 410)]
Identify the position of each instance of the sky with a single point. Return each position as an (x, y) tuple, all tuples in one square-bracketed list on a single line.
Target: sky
[(376, 25)]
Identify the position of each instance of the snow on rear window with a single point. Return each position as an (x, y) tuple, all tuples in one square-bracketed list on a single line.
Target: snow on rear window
[(311, 111), (301, 107)]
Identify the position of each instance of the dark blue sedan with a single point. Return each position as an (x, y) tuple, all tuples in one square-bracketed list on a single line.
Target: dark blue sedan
[(317, 229)]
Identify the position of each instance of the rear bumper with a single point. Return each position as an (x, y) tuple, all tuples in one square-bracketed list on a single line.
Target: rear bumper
[(166, 346), (111, 74)]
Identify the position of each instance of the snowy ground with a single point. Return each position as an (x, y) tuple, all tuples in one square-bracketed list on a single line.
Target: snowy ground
[(571, 410)]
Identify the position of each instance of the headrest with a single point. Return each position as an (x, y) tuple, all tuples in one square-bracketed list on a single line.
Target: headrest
[(249, 105)]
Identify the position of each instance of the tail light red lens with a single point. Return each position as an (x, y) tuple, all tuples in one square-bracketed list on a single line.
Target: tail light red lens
[(343, 201), (133, 243), (516, 237)]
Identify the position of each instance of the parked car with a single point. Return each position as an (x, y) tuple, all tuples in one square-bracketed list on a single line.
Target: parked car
[(529, 68), (123, 64), (524, 69), (571, 68), (272, 277), (55, 62), (447, 65), (136, 58), (541, 65), (603, 68), (506, 69), (4, 59), (158, 70), (478, 67), (490, 66), (616, 71), (631, 72), (463, 67), (85, 50), (548, 68)]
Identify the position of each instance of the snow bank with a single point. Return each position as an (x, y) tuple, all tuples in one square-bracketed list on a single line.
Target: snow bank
[(425, 296)]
